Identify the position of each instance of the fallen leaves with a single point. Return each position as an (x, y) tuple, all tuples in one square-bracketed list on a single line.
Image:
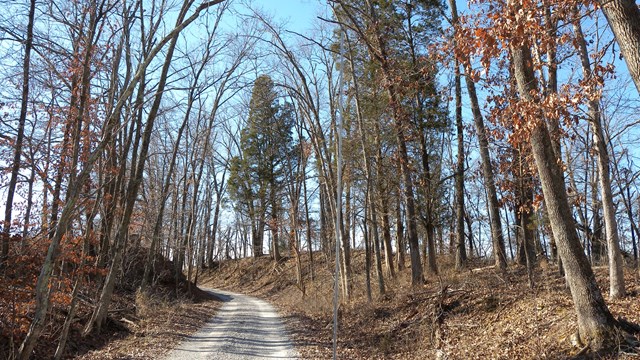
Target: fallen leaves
[(470, 315)]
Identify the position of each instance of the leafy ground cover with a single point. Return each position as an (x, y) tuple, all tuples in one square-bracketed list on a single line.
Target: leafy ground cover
[(476, 314)]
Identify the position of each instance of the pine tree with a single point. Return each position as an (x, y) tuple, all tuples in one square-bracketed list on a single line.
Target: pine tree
[(257, 174)]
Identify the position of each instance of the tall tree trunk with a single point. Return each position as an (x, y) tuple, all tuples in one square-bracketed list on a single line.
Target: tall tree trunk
[(616, 275), (386, 236), (257, 235), (275, 231), (551, 24), (216, 217), (399, 232), (308, 221), (17, 155), (595, 322), (497, 238), (324, 242), (294, 238), (526, 249), (526, 252), (428, 245), (367, 254), (27, 213), (378, 180), (376, 244), (345, 244), (461, 253), (594, 234), (634, 228)]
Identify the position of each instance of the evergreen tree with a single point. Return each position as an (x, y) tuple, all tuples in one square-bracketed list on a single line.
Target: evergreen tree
[(257, 177)]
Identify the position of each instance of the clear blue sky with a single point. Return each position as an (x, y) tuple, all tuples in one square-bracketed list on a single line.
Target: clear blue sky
[(299, 14)]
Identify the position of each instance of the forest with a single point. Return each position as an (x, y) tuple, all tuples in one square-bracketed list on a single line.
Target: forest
[(144, 142)]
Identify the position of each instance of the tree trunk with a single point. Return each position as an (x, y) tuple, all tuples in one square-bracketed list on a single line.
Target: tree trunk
[(276, 241), (67, 322), (308, 221), (497, 238), (595, 322), (386, 236), (345, 244), (345, 257), (551, 24), (399, 233), (17, 155), (461, 253), (164, 194), (216, 217), (592, 242), (257, 234), (526, 252), (624, 18), (27, 216), (324, 246), (616, 275), (376, 245), (409, 200), (367, 255)]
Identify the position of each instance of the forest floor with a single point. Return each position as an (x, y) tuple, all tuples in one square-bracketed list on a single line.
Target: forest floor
[(476, 314), (479, 313)]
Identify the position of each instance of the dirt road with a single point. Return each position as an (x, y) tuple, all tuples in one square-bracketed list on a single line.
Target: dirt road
[(243, 328)]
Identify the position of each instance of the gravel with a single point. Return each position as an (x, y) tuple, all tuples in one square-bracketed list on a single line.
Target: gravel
[(243, 328)]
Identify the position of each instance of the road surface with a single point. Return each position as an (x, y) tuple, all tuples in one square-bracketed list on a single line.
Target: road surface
[(243, 328)]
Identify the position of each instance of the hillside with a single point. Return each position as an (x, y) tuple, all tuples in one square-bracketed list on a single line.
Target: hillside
[(137, 326), (476, 314)]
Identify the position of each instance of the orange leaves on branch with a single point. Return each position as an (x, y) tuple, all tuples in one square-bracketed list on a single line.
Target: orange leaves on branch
[(538, 199)]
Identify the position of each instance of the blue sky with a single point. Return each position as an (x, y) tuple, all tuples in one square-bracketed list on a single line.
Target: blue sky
[(299, 14)]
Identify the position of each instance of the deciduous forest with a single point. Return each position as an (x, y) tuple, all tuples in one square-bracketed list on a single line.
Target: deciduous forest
[(450, 165)]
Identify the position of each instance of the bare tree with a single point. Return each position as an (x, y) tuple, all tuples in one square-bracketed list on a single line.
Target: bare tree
[(616, 276), (18, 145)]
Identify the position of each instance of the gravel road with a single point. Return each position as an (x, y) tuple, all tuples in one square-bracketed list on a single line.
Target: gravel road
[(243, 328)]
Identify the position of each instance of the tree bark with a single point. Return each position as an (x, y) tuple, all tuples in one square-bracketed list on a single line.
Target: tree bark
[(376, 244), (367, 253), (399, 232), (386, 235), (218, 188), (616, 275), (595, 322), (308, 220), (17, 155), (461, 253), (497, 238), (624, 18)]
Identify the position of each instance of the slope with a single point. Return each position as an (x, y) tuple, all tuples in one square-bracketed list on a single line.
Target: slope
[(476, 314)]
